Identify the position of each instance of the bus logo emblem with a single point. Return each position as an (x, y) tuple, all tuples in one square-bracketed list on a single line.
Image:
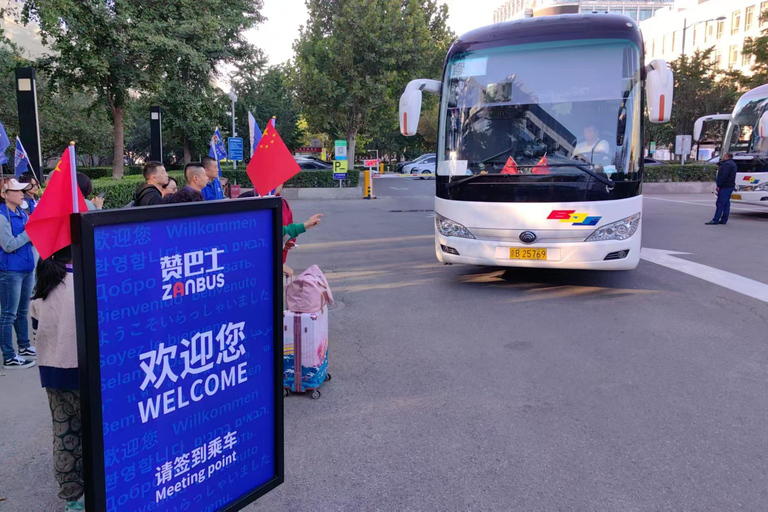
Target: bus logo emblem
[(527, 237), (576, 219), (751, 180)]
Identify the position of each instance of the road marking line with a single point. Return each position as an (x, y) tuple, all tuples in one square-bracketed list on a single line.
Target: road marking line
[(711, 205), (735, 282), (398, 188), (347, 243)]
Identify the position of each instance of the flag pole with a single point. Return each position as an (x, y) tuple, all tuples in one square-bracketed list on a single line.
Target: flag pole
[(73, 177), (29, 163)]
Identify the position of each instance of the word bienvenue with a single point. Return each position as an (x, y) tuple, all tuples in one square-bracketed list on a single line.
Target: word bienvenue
[(190, 273), (183, 465), (199, 356)]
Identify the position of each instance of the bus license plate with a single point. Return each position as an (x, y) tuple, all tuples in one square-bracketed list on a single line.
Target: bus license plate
[(527, 254), (736, 196)]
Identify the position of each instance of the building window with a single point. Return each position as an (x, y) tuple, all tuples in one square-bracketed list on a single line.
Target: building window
[(645, 14), (746, 60), (749, 18), (716, 58), (674, 42), (720, 28), (693, 36), (632, 14), (763, 15), (616, 10), (733, 58), (664, 44), (735, 22), (653, 47)]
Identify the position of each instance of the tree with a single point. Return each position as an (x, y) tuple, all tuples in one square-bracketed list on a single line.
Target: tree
[(353, 55), (109, 49), (700, 89), (757, 47), (267, 94)]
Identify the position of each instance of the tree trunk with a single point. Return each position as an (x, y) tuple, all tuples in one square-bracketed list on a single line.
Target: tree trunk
[(351, 141), (117, 154), (187, 150)]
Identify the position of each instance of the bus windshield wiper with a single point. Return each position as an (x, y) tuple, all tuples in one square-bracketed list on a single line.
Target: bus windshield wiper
[(604, 179), (464, 180)]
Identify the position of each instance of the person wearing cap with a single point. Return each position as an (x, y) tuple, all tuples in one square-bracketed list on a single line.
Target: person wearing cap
[(17, 262)]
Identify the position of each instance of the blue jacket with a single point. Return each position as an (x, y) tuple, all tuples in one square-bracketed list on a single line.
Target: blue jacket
[(16, 254), (726, 174), (213, 190)]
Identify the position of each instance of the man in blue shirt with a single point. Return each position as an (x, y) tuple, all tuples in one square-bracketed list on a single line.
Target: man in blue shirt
[(213, 190)]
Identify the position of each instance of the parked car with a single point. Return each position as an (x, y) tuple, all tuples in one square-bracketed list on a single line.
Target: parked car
[(311, 165), (425, 167), (428, 160), (401, 166), (311, 158), (652, 161)]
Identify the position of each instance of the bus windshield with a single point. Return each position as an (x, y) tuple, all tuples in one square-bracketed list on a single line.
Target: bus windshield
[(742, 135), (537, 114)]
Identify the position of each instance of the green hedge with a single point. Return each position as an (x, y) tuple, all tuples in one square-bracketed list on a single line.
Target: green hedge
[(118, 193), (677, 172), (305, 179)]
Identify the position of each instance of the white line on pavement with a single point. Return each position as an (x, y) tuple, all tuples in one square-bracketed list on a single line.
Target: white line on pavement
[(709, 204), (735, 282)]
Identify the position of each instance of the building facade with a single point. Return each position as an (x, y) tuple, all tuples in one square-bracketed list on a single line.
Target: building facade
[(636, 9), (719, 24)]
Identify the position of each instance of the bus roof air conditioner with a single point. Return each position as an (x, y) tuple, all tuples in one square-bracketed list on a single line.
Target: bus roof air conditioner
[(659, 90), (699, 124), (410, 104)]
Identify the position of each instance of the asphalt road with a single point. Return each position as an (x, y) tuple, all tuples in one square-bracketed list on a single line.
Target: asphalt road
[(471, 388)]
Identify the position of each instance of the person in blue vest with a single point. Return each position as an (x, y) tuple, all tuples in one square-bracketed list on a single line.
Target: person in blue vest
[(213, 190), (17, 263)]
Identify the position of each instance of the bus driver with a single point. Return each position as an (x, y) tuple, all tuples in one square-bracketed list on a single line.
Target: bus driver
[(591, 144)]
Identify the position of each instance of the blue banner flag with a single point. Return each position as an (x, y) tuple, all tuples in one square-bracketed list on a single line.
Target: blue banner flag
[(255, 131), (217, 151), (4, 143), (21, 159)]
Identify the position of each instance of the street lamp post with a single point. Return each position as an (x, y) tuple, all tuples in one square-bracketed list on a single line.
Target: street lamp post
[(682, 50), (233, 97)]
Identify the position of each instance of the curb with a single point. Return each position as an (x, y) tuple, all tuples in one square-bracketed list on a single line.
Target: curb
[(322, 193), (691, 187)]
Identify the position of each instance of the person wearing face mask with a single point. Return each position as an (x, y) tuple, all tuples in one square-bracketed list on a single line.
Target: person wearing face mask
[(17, 262)]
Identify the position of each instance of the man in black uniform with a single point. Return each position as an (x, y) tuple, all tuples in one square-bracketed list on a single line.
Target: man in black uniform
[(726, 183), (151, 192)]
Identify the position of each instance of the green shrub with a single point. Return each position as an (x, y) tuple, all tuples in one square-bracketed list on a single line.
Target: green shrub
[(677, 172), (305, 179)]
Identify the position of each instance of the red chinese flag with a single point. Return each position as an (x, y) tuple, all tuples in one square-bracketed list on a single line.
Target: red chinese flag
[(48, 226), (510, 167), (541, 167), (272, 164)]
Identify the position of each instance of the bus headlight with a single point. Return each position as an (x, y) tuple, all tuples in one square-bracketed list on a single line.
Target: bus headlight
[(620, 230), (449, 228), (763, 187)]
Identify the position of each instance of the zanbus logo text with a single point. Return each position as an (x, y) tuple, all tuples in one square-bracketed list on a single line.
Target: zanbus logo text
[(751, 180), (577, 219), (191, 273)]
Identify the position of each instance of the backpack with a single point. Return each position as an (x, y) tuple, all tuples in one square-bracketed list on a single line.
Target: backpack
[(309, 292)]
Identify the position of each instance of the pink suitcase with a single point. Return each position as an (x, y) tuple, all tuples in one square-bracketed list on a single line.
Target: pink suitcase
[(305, 351)]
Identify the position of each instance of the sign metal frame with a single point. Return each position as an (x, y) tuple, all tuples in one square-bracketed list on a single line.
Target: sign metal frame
[(86, 308)]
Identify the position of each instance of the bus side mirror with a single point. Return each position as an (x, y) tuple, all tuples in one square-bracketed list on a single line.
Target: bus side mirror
[(410, 104), (763, 126), (698, 126), (659, 90)]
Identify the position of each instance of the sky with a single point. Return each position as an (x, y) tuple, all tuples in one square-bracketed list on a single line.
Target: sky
[(284, 17)]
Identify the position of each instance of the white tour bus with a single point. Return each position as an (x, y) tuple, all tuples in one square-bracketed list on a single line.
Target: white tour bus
[(747, 138), (540, 152)]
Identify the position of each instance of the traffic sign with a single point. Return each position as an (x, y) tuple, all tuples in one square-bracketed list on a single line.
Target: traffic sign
[(371, 163), (235, 148), (682, 144), (340, 169), (653, 148), (341, 149)]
